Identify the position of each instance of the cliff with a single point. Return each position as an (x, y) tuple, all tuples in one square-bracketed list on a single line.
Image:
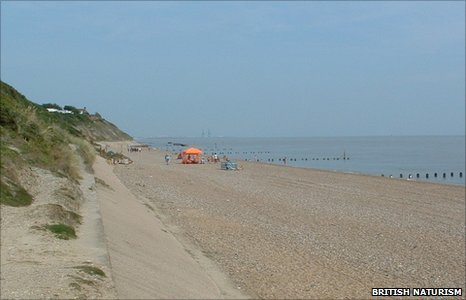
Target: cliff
[(32, 136)]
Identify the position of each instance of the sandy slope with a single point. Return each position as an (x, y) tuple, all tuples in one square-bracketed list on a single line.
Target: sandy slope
[(283, 232), (147, 261), (37, 265)]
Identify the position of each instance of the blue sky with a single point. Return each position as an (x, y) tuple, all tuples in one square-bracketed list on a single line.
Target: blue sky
[(244, 68)]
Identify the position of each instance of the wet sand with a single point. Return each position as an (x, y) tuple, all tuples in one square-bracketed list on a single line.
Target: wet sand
[(283, 232)]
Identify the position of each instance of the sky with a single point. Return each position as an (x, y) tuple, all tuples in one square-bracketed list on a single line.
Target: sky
[(245, 69)]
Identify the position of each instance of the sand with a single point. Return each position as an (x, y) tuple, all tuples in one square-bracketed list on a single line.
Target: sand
[(37, 265), (197, 232), (119, 234), (283, 232), (147, 261)]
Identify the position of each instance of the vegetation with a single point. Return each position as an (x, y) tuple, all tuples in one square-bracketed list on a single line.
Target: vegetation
[(85, 150), (39, 141), (14, 195), (71, 108), (80, 281), (32, 136), (102, 183), (112, 155), (91, 270), (52, 105), (62, 231)]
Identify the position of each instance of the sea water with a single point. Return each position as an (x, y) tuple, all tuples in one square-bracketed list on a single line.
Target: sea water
[(433, 158)]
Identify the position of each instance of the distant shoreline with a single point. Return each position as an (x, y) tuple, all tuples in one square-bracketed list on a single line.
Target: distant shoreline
[(423, 158), (299, 137)]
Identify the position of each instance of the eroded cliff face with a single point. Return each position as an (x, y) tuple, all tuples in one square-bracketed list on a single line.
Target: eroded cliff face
[(99, 129)]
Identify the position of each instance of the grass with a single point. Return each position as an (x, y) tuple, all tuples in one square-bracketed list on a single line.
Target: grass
[(32, 136), (41, 143), (62, 231), (74, 217), (91, 270), (79, 280), (86, 151), (103, 183), (149, 206), (14, 195), (60, 215), (75, 286)]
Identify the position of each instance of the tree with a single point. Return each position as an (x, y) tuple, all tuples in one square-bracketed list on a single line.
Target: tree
[(52, 105), (71, 108)]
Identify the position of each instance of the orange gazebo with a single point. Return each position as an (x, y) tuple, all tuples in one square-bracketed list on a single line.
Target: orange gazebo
[(191, 156)]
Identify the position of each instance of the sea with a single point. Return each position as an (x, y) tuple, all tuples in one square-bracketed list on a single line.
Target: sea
[(438, 159)]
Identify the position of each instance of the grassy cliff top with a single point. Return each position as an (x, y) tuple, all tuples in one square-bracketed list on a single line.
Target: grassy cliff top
[(15, 109), (31, 136)]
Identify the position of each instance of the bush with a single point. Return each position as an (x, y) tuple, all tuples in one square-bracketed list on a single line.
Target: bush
[(52, 105), (71, 108), (7, 116)]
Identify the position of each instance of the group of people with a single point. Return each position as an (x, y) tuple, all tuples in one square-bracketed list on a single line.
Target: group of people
[(137, 147), (122, 161), (213, 158), (202, 160), (134, 149)]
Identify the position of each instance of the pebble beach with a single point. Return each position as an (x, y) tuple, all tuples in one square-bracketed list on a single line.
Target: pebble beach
[(284, 232)]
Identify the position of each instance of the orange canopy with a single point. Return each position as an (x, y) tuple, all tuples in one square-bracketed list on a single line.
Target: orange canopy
[(192, 151), (191, 156)]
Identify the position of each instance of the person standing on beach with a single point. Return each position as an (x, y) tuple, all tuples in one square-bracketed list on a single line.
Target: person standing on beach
[(167, 158)]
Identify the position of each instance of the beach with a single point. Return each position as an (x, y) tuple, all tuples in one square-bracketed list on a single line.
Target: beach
[(235, 150), (121, 249), (147, 261), (158, 231), (283, 232)]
